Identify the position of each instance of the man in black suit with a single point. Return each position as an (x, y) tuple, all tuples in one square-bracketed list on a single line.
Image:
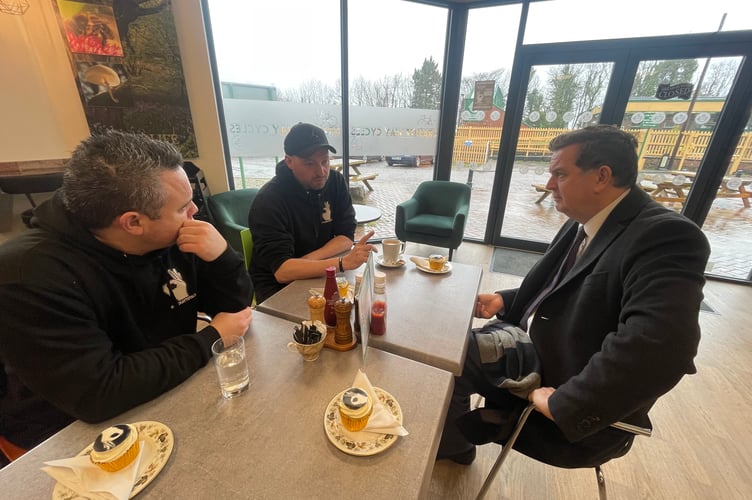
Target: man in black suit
[(611, 334)]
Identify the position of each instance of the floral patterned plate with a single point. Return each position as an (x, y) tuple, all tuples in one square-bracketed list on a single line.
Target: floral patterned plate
[(366, 443), (158, 442)]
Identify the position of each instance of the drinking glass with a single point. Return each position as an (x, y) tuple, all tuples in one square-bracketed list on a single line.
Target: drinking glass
[(342, 285), (232, 366)]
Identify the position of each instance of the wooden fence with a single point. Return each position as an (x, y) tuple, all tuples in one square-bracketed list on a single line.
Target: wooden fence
[(477, 145)]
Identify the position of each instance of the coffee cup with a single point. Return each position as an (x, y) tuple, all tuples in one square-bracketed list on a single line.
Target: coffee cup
[(392, 250), (436, 262)]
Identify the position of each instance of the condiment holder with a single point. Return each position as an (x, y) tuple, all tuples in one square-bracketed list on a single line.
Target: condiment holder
[(308, 340)]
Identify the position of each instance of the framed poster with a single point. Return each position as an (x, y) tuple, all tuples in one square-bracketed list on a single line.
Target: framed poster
[(126, 63)]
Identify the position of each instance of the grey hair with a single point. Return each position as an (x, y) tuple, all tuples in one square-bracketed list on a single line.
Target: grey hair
[(115, 172)]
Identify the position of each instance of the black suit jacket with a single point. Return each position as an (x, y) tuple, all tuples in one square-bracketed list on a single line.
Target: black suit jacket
[(621, 328)]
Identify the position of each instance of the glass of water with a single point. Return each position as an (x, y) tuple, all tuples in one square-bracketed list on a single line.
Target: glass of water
[(232, 366)]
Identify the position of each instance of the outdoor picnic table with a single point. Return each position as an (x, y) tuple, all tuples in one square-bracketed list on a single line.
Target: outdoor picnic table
[(355, 174)]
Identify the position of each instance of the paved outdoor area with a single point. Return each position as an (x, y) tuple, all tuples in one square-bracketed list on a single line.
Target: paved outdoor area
[(727, 227)]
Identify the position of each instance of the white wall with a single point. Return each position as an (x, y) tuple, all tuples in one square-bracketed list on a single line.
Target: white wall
[(41, 116)]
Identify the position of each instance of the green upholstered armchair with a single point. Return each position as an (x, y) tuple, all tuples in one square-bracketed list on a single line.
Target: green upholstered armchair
[(229, 214), (435, 215)]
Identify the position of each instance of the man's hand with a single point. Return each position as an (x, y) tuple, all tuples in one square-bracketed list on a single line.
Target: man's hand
[(539, 398), (359, 253), (232, 324), (202, 239), (488, 304)]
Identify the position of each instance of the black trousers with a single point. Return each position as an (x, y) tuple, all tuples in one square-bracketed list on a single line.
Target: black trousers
[(540, 439)]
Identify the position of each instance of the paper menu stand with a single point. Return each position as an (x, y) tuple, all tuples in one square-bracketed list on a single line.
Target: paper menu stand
[(364, 296)]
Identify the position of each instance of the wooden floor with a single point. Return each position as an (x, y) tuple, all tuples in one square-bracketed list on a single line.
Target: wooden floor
[(701, 447)]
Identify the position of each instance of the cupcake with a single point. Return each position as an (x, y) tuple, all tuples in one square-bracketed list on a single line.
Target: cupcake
[(116, 447), (355, 408)]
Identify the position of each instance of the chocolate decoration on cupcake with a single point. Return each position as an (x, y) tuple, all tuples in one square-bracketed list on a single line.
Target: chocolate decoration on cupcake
[(111, 437), (355, 398)]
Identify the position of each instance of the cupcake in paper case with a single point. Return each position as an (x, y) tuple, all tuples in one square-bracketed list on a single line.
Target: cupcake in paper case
[(355, 409), (116, 447)]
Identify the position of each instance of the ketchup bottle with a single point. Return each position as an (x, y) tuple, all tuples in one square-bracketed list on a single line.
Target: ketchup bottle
[(378, 306), (330, 295)]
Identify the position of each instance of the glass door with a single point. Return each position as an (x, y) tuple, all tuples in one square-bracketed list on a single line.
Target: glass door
[(559, 98), (683, 100)]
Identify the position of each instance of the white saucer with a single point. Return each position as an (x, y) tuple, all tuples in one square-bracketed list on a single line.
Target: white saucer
[(158, 443), (380, 261), (361, 443), (422, 264)]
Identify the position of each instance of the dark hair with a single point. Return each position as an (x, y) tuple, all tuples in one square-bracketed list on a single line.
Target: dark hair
[(603, 145), (114, 172)]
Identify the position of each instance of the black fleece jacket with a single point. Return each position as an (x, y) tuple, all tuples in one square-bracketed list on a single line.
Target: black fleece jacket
[(89, 332), (288, 222)]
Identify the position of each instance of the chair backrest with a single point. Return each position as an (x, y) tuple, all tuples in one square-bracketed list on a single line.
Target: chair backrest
[(232, 206), (442, 197), (247, 240), (229, 213)]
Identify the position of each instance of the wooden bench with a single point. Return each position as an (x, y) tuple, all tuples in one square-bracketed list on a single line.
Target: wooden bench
[(364, 178), (541, 188)]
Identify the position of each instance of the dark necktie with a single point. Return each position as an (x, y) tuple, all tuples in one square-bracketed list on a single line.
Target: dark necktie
[(566, 265)]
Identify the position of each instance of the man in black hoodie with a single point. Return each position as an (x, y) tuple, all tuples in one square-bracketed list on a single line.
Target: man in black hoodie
[(99, 301), (302, 221)]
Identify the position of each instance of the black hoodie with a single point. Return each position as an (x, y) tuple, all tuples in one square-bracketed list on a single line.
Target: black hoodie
[(92, 331), (288, 222)]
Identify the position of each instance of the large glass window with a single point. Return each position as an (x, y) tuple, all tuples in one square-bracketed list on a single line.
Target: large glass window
[(279, 64), (487, 66), (396, 59), (729, 221), (573, 20)]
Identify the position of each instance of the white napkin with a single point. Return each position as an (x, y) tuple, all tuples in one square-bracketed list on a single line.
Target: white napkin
[(381, 420), (420, 262), (88, 480)]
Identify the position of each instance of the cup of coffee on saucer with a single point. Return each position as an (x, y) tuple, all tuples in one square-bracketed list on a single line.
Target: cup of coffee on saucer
[(392, 250), (436, 262)]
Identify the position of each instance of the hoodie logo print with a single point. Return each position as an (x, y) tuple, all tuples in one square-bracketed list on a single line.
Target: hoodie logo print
[(326, 213), (176, 287)]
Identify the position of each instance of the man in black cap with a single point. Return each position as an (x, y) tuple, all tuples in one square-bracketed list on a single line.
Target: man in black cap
[(302, 221)]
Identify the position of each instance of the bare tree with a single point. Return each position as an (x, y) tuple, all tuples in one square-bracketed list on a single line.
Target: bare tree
[(651, 73), (500, 76), (720, 77), (313, 92), (592, 83), (533, 100)]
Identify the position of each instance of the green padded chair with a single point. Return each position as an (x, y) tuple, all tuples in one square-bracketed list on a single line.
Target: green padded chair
[(435, 215), (247, 241), (229, 214)]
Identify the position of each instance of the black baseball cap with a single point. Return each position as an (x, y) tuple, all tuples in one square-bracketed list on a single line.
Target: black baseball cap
[(304, 138)]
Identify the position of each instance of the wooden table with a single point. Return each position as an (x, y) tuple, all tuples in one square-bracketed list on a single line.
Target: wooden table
[(670, 190), (428, 318), (355, 174), (270, 441)]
